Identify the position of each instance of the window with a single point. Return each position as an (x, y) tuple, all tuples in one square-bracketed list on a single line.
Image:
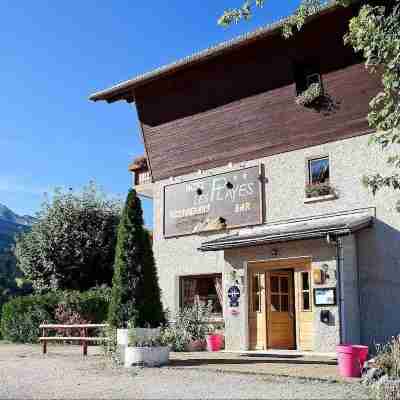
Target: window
[(318, 171), (305, 75), (205, 289), (279, 293), (313, 78), (305, 292), (256, 292)]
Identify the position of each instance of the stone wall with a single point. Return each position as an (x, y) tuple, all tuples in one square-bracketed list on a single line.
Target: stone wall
[(325, 335), (377, 249)]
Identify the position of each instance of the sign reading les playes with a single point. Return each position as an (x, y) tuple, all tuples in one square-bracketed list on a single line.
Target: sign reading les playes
[(227, 200)]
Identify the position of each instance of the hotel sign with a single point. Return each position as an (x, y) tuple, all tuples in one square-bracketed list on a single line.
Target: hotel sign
[(217, 202)]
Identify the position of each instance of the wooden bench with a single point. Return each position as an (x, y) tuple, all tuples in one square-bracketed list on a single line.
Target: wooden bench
[(84, 339)]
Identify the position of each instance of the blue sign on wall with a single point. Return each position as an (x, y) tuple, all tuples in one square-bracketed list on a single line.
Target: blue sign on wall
[(234, 295)]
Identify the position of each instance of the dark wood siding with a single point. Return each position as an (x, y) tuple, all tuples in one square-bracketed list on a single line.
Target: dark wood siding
[(240, 106)]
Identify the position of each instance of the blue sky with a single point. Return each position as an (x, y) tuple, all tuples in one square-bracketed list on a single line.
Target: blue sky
[(55, 53)]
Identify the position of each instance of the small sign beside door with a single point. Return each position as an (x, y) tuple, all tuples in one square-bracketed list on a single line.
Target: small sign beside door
[(234, 295)]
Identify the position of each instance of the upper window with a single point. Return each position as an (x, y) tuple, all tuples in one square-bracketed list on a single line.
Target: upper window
[(305, 75), (202, 289), (313, 78), (318, 171)]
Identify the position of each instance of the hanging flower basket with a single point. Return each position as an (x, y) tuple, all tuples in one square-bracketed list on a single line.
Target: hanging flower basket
[(312, 93)]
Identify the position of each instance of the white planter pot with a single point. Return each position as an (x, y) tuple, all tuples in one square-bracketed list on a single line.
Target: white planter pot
[(122, 337), (148, 356)]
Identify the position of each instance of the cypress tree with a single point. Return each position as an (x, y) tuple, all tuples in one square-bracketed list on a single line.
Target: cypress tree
[(150, 311), (134, 272)]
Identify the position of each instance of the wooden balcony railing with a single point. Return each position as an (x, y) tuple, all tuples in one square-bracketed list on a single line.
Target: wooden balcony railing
[(142, 177)]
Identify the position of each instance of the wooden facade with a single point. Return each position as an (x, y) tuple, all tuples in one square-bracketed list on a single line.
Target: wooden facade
[(240, 106)]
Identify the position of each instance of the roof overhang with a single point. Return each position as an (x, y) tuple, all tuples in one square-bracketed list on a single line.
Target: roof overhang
[(311, 228), (126, 89)]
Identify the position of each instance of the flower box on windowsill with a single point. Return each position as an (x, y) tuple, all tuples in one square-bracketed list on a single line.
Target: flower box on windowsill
[(310, 95), (316, 199), (319, 189)]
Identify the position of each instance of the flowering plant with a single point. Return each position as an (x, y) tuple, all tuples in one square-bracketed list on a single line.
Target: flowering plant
[(319, 189), (312, 93)]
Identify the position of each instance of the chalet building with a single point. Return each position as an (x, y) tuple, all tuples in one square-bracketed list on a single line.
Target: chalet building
[(259, 206)]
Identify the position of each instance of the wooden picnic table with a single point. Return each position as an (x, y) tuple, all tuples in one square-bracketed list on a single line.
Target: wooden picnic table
[(84, 338)]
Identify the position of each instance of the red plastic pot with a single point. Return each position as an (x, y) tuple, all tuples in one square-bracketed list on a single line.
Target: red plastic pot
[(214, 342), (351, 359)]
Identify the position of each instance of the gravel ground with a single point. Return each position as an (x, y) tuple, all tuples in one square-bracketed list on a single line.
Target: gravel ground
[(63, 373)]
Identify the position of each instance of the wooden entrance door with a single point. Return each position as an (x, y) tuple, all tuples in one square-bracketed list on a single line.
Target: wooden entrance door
[(280, 310), (257, 311)]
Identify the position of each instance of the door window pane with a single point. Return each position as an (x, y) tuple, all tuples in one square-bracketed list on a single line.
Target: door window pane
[(275, 306), (256, 286), (306, 301), (284, 285), (274, 284), (256, 303), (305, 278), (256, 293), (284, 302), (305, 291)]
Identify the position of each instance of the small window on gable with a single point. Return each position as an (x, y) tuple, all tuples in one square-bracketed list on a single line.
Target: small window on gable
[(318, 171), (313, 78)]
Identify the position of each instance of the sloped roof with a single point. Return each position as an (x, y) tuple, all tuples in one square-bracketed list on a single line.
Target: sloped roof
[(125, 90), (138, 163), (311, 228)]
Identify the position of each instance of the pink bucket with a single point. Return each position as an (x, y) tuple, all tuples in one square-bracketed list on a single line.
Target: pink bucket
[(351, 359), (214, 342)]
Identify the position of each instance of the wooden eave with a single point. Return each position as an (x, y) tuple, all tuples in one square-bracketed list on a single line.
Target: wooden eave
[(126, 89)]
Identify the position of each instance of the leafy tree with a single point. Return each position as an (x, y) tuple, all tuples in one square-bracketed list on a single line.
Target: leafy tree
[(374, 32), (135, 291), (72, 245)]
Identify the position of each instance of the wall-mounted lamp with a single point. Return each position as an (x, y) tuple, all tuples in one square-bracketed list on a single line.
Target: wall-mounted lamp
[(319, 276)]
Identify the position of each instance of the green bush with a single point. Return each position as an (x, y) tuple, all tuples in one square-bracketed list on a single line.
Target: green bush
[(22, 316)]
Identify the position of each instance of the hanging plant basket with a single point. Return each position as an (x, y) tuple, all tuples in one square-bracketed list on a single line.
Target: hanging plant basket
[(312, 93)]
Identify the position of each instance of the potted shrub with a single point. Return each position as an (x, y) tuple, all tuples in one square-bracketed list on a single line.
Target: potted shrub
[(194, 323), (214, 338), (149, 349)]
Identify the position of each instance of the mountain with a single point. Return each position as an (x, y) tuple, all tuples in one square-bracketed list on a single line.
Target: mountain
[(10, 225), (9, 216)]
